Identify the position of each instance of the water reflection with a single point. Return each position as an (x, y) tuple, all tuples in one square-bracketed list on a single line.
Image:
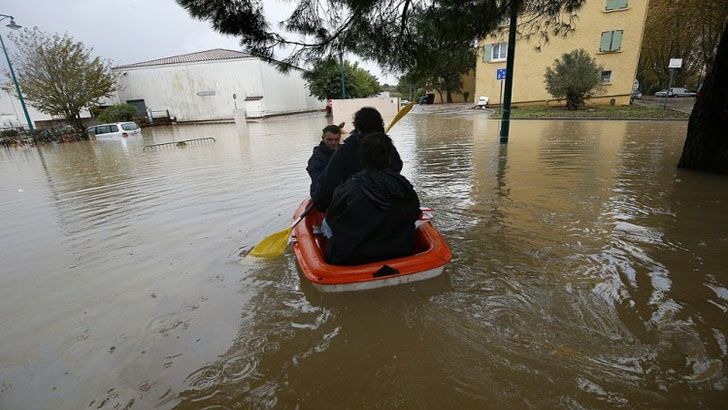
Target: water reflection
[(588, 272)]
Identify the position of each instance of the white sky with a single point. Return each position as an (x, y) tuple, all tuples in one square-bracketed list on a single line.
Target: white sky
[(131, 31)]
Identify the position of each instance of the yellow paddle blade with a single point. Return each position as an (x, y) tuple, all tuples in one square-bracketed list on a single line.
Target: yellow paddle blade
[(399, 115), (272, 246)]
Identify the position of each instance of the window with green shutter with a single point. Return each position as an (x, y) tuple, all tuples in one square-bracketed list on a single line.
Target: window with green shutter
[(616, 4), (611, 41), (616, 40), (487, 50)]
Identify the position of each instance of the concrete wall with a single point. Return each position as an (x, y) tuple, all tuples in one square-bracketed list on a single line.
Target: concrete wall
[(11, 112), (530, 64), (204, 91), (344, 110), (12, 115), (286, 93)]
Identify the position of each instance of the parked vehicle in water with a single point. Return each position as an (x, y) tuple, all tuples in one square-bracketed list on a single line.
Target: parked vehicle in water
[(483, 102), (115, 130), (675, 92), (426, 99)]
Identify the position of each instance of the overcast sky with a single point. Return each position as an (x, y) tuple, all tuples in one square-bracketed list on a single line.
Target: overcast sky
[(132, 31)]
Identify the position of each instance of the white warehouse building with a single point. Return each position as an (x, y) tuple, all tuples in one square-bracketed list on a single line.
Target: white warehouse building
[(209, 85)]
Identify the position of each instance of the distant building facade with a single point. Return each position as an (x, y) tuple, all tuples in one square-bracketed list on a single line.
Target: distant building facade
[(610, 30), (13, 117), (466, 93), (209, 85)]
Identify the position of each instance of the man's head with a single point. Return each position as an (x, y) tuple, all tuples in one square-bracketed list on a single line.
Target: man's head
[(331, 136), (368, 120), (375, 151)]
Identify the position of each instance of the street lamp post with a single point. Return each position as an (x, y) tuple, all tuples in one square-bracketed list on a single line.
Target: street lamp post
[(14, 26)]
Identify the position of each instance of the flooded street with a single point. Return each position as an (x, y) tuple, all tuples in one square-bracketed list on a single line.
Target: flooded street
[(587, 272)]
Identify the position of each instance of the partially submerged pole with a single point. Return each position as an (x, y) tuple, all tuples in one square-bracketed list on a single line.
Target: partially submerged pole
[(506, 117)]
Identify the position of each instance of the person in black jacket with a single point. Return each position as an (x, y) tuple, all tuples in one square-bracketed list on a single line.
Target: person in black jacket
[(330, 139), (372, 214), (344, 162)]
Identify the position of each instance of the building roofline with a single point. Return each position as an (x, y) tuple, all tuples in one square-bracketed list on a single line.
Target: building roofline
[(215, 54)]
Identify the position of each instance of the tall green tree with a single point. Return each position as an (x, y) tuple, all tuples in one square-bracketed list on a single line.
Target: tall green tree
[(324, 80), (574, 77), (686, 29), (391, 32), (58, 75)]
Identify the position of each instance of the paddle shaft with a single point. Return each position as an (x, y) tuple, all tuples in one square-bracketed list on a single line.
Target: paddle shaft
[(303, 215)]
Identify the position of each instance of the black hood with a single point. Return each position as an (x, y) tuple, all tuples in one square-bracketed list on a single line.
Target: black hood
[(384, 187), (323, 149)]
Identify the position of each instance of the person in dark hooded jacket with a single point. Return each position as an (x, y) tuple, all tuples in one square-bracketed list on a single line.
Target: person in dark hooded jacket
[(372, 214), (345, 161), (330, 139)]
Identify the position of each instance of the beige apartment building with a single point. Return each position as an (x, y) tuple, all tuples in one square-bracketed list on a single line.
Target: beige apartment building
[(610, 30)]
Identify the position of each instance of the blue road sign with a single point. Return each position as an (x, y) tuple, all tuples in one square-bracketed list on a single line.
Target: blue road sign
[(500, 74)]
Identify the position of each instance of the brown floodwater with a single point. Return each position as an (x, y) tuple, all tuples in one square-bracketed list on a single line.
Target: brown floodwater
[(588, 272)]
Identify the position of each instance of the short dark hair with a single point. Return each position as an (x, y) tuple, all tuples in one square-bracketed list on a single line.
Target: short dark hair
[(368, 120), (375, 151), (334, 129)]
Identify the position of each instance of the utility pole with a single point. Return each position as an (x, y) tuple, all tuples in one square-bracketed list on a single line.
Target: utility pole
[(506, 117)]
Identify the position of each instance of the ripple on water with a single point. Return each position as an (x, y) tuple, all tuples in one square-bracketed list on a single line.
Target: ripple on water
[(238, 368), (205, 377), (165, 324)]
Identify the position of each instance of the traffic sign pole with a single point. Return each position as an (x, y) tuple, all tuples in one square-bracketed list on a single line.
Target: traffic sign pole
[(674, 63), (500, 74), (500, 99), (669, 86)]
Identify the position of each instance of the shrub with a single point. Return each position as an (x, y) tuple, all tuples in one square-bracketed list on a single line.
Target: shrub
[(575, 77), (118, 113)]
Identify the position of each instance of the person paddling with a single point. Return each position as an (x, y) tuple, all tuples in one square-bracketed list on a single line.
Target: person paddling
[(344, 162), (330, 140)]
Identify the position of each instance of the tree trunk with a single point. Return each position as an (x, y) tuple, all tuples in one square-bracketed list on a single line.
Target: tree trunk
[(439, 91), (449, 96), (706, 145), (78, 122)]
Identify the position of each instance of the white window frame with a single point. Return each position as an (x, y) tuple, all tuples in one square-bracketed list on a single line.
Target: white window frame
[(609, 79), (499, 52)]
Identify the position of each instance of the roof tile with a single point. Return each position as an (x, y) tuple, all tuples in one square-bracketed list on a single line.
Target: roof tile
[(207, 55)]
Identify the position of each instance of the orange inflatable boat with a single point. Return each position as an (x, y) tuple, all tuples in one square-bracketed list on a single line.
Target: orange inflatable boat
[(429, 261)]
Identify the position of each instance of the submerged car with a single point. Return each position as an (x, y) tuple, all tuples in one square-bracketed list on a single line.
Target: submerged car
[(115, 130)]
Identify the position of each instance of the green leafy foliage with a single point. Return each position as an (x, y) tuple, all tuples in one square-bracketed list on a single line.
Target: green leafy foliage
[(686, 29), (324, 80), (393, 33), (575, 76), (411, 86), (58, 75), (118, 113)]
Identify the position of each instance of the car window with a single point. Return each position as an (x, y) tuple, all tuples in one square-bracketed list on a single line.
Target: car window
[(114, 128), (102, 129), (130, 126)]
